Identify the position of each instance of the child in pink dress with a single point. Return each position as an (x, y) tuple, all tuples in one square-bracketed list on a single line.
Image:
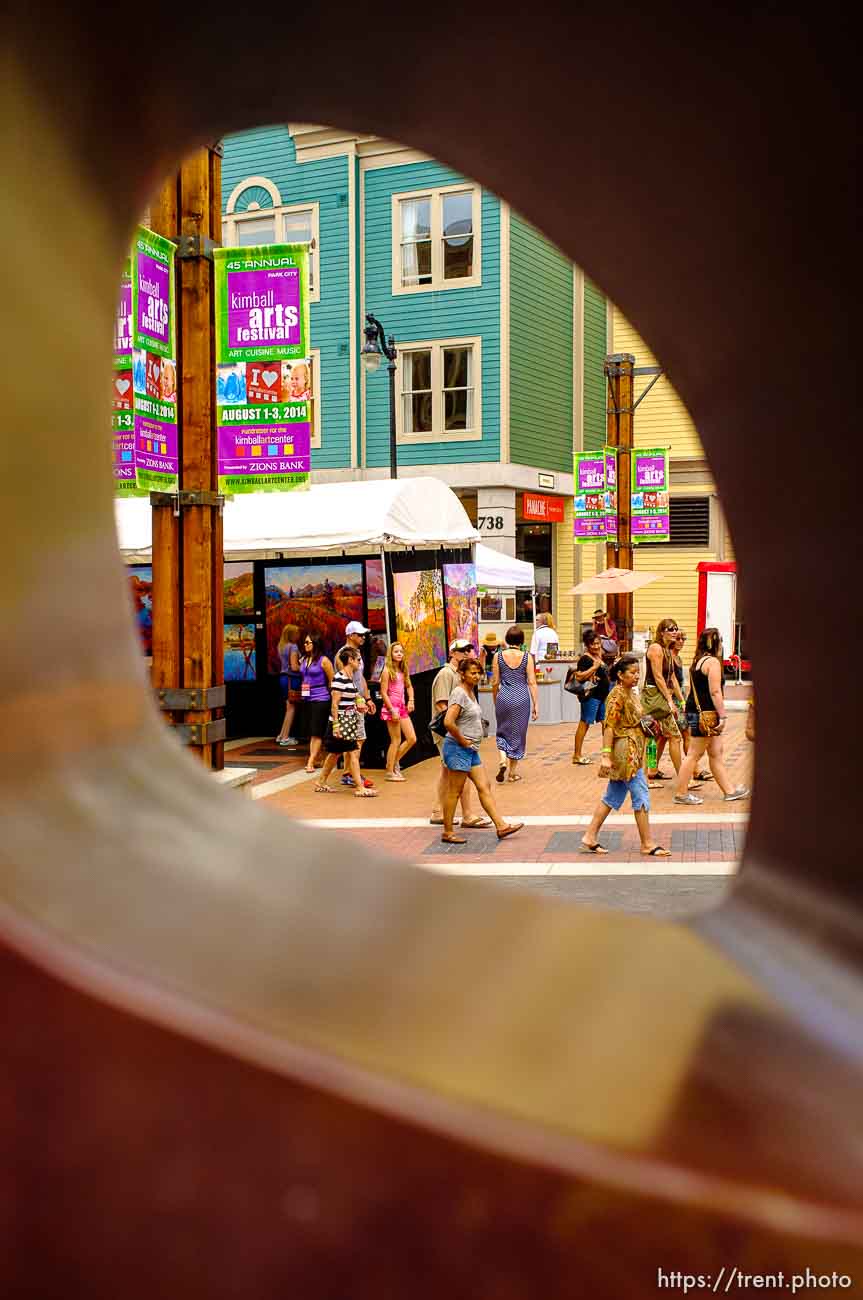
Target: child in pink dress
[(397, 694)]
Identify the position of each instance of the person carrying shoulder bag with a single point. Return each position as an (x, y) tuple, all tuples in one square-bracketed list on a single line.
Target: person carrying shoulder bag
[(705, 711)]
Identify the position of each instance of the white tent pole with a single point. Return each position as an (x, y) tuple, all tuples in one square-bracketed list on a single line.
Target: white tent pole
[(386, 596)]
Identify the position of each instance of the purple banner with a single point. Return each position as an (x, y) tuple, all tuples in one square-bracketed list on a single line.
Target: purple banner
[(590, 474), (651, 526), (611, 494), (589, 530), (650, 471), (154, 299)]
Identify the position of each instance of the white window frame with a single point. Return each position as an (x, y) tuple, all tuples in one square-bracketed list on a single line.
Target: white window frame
[(435, 195), (232, 219), (315, 358), (438, 433)]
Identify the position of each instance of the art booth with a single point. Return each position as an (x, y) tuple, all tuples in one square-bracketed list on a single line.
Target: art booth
[(396, 554)]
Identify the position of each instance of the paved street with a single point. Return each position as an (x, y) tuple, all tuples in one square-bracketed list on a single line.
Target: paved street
[(555, 800)]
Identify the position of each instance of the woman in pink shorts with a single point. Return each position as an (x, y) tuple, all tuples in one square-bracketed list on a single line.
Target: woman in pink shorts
[(397, 695)]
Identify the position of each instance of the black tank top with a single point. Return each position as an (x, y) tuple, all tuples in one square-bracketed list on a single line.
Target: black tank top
[(699, 682)]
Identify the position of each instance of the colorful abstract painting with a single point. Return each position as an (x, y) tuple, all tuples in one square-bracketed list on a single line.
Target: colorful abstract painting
[(376, 596), (420, 619), (239, 652), (141, 581), (239, 588), (317, 598), (459, 584)]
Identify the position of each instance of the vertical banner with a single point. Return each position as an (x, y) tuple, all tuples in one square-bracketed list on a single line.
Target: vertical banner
[(589, 505), (650, 521), (263, 373), (611, 494), (154, 362), (122, 393)]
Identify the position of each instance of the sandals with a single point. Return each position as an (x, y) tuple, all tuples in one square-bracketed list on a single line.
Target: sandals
[(703, 776), (324, 789), (656, 852), (365, 794), (453, 839), (662, 776), (593, 848), (500, 773), (475, 824), (515, 778), (394, 776), (581, 762), (510, 830)]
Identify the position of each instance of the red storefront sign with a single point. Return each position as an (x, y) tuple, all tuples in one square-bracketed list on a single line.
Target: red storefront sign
[(542, 509)]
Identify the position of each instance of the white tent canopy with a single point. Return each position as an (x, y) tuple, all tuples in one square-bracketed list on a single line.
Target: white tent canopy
[(393, 514), (501, 571)]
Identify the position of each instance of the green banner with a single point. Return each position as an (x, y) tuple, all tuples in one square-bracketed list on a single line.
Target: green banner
[(263, 369), (650, 520), (589, 505)]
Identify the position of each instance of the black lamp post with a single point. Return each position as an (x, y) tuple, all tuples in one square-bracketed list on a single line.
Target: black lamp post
[(375, 347)]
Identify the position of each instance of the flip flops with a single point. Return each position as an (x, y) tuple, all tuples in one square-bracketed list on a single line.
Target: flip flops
[(515, 778), (500, 773), (475, 824), (656, 852), (593, 848), (453, 839), (581, 762)]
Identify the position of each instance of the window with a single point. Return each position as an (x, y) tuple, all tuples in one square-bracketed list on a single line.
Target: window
[(689, 522), (439, 392), (436, 239), (534, 543), (315, 403), (282, 223)]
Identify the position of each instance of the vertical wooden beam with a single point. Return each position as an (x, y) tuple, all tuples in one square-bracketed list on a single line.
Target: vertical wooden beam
[(198, 457), (619, 367)]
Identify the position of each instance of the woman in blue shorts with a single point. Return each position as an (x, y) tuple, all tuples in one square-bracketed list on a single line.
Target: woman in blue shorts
[(593, 674), (623, 744), (460, 755)]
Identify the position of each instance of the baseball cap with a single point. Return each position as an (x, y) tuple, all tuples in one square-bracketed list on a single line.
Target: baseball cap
[(460, 644), (356, 629), (597, 612)]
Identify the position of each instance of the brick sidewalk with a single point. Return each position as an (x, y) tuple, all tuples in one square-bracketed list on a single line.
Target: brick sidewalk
[(552, 789)]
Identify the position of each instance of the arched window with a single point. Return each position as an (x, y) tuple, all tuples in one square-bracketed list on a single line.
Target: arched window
[(255, 214)]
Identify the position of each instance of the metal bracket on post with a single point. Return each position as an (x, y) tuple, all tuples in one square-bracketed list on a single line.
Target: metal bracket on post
[(179, 500), (201, 733), (184, 698), (190, 247)]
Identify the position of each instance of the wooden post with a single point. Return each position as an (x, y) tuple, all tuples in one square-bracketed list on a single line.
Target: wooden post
[(187, 550), (619, 367)]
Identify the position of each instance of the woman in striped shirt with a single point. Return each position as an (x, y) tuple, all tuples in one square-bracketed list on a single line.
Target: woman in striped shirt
[(341, 737)]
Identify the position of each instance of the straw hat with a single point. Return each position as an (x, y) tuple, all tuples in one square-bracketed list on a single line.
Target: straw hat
[(490, 638)]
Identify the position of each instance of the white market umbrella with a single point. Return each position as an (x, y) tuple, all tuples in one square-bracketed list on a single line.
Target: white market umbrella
[(613, 581)]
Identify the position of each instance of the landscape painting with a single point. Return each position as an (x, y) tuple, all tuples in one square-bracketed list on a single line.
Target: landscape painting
[(317, 598), (141, 582), (239, 652), (239, 588), (420, 619), (376, 596), (459, 582)]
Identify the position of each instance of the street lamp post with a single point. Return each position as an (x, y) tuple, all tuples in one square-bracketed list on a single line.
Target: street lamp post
[(375, 347)]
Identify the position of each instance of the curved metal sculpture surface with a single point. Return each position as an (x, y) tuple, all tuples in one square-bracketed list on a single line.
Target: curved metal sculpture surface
[(246, 1063)]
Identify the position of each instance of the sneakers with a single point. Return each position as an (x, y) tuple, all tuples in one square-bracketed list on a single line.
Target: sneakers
[(349, 780), (687, 798), (742, 792), (290, 743)]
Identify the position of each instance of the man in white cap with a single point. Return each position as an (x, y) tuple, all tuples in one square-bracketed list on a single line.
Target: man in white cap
[(355, 636), (443, 686)]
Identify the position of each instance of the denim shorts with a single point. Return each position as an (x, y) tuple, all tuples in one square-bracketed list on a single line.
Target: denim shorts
[(592, 710), (457, 758), (694, 728), (636, 787)]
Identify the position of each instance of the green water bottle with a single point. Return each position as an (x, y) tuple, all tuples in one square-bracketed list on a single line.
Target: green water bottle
[(651, 754)]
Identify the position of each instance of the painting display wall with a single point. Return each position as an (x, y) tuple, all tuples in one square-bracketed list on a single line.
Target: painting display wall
[(420, 619), (317, 598), (240, 652), (239, 589), (376, 596), (459, 581), (141, 583)]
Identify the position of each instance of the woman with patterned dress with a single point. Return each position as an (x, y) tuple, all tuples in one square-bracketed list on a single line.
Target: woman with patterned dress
[(513, 685), (623, 745)]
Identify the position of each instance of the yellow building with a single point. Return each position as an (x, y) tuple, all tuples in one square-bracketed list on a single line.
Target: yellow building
[(698, 528)]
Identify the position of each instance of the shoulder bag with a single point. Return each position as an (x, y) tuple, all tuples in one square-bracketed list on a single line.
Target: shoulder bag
[(580, 690)]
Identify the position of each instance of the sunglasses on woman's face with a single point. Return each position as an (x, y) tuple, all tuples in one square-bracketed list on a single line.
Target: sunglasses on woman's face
[(672, 629)]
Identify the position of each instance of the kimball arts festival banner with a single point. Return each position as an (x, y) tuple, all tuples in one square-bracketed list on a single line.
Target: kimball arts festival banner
[(589, 506), (145, 371), (263, 373), (611, 494), (650, 521)]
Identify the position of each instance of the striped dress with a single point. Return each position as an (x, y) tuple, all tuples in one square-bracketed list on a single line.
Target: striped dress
[(512, 708)]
